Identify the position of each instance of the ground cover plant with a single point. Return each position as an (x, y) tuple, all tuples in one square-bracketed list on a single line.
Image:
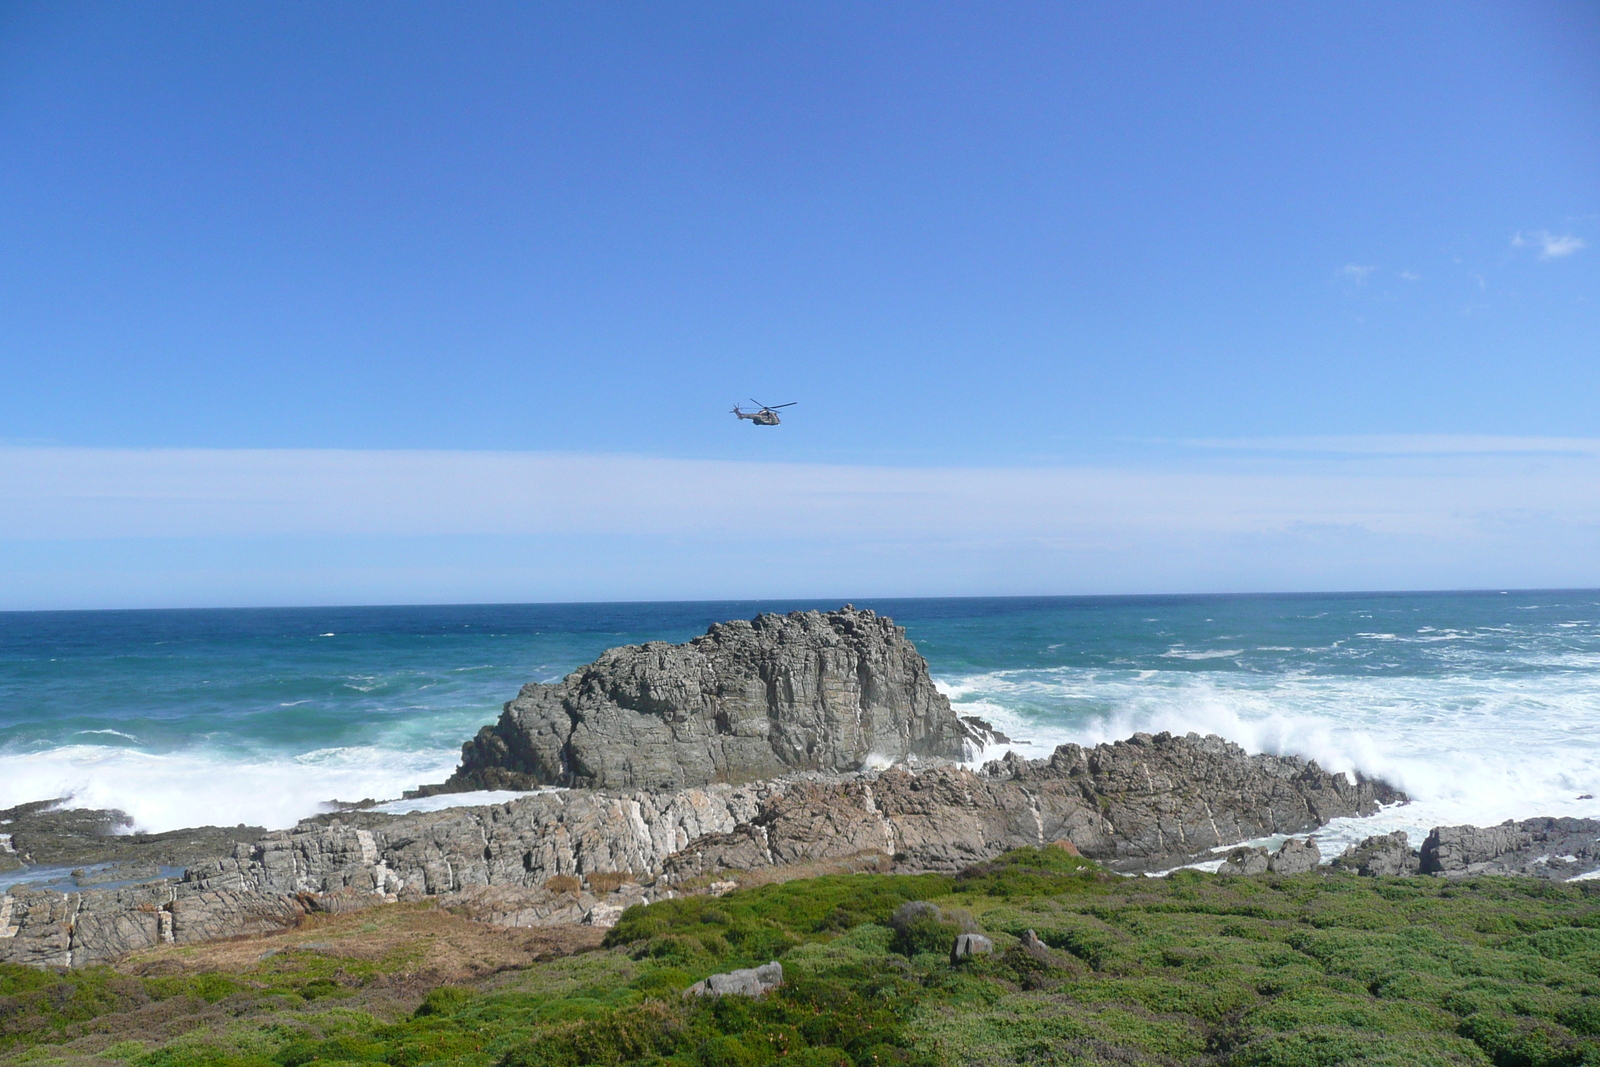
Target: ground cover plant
[(1316, 969)]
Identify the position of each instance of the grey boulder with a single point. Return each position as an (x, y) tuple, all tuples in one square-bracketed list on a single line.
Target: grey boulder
[(748, 982), (969, 945), (1032, 945), (1246, 861), (1295, 856), (1384, 854)]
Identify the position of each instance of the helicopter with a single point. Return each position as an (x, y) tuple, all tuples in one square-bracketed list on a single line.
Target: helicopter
[(767, 416)]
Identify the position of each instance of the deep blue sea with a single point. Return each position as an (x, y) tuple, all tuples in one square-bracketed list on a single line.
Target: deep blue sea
[(1483, 706)]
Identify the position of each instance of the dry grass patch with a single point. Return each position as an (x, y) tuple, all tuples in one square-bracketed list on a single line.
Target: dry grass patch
[(859, 863), (390, 943), (610, 881)]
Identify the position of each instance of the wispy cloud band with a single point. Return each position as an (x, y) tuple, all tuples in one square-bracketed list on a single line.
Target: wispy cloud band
[(1406, 444), (1412, 512)]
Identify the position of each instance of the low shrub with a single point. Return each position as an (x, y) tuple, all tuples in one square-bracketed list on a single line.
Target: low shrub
[(609, 881), (923, 927), (445, 1000), (564, 883)]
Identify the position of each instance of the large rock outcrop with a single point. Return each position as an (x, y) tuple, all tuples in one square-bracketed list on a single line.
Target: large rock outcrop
[(807, 691)]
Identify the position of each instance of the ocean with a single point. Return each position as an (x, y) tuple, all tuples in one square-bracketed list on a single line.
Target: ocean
[(1483, 706)]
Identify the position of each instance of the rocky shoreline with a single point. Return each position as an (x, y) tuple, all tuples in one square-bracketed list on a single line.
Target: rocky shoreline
[(581, 856), (754, 752)]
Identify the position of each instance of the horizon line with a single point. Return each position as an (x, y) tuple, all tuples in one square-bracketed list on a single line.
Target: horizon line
[(863, 602)]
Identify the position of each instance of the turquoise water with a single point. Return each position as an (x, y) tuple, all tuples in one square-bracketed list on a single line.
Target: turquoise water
[(1482, 705)]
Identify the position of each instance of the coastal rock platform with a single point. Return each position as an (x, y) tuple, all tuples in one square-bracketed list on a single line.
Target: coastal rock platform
[(1554, 849), (582, 856), (48, 834)]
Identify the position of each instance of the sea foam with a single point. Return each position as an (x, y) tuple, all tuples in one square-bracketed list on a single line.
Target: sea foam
[(199, 786), (1466, 749)]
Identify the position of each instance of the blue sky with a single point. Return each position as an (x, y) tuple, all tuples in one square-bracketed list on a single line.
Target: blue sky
[(1235, 250)]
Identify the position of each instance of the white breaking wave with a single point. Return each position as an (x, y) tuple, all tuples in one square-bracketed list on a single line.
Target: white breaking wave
[(1470, 749), (445, 801), (199, 786)]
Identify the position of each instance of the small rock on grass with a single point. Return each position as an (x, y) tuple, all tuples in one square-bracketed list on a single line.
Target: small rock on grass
[(969, 945), (747, 982)]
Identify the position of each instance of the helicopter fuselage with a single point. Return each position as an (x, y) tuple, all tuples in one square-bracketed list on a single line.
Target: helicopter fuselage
[(759, 418)]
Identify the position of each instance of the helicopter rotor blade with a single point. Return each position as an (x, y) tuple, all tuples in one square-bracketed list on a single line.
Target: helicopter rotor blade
[(790, 404)]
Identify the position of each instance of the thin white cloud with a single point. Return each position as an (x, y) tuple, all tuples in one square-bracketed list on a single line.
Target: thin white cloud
[(1550, 245), (1356, 272), (1406, 444), (1410, 277), (92, 527)]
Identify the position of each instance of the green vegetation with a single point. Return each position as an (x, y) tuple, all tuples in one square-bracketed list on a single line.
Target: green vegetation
[(1265, 971)]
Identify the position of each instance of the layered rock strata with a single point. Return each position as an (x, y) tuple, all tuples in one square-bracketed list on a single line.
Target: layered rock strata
[(749, 700), (1149, 802), (584, 855), (535, 861), (1555, 849)]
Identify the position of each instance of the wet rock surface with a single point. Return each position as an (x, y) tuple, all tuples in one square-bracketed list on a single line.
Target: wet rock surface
[(748, 700), (1135, 805), (1166, 797), (1243, 861), (39, 834), (1294, 856)]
